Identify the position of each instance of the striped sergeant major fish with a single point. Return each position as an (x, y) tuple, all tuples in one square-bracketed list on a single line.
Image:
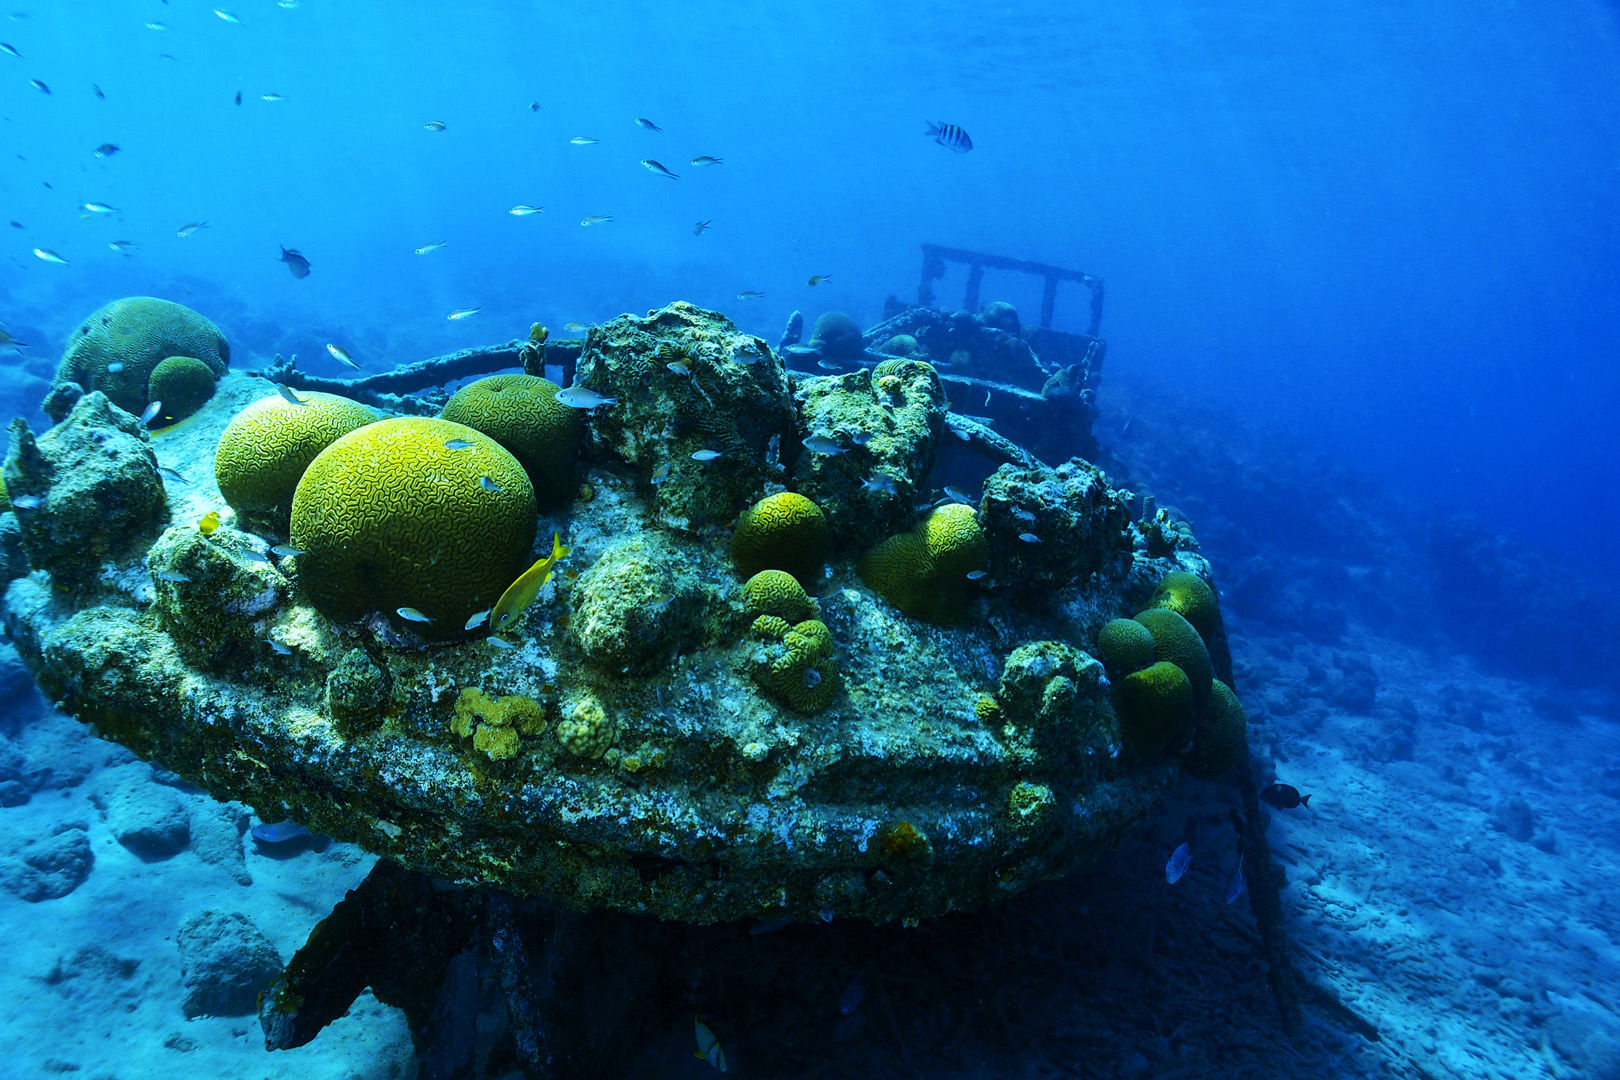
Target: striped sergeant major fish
[(950, 136)]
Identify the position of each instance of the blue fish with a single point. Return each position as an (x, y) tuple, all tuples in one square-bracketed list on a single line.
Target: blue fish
[(280, 832), (1180, 859), (1235, 885)]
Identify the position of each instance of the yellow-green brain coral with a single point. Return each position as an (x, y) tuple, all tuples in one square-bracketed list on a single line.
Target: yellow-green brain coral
[(1188, 596), (785, 531), (796, 664), (1153, 705), (777, 592), (1124, 646), (1221, 737), (267, 446), (118, 346), (182, 384), (390, 517), (925, 572), (522, 413), (1175, 640)]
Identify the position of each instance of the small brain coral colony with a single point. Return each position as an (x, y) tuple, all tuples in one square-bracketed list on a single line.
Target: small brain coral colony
[(690, 637)]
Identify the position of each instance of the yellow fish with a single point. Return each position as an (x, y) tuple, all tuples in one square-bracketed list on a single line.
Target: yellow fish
[(209, 522), (521, 593)]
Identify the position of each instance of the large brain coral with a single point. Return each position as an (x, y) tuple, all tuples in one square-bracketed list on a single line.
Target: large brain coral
[(399, 514), (266, 447), (785, 531), (116, 348), (522, 413), (925, 572)]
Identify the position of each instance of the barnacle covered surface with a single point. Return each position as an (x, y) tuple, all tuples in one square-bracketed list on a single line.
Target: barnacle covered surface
[(662, 731)]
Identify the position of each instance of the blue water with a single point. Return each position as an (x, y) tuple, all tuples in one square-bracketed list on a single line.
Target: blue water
[(1387, 233), (1389, 228)]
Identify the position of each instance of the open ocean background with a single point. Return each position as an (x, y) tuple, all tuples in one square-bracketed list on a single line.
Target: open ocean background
[(1362, 265), (1389, 230)]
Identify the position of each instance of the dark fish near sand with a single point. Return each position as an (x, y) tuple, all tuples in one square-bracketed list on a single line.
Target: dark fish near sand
[(279, 833), (1285, 797), (296, 263), (950, 136)]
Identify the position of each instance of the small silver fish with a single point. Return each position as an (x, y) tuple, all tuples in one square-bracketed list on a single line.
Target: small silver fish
[(435, 125), (40, 86), (463, 313), (750, 294), (341, 355), (123, 246), (489, 485), (279, 647), (861, 438), (10, 51), (287, 394), (654, 167), (227, 16), (286, 551), (583, 397), (882, 482), (115, 367), (172, 476), (255, 555), (705, 161), (977, 575), (172, 575), (747, 353), (1180, 859), (149, 413), (1024, 515), (596, 219), (100, 208), (26, 502), (581, 140), (661, 473), (705, 455), (524, 210), (499, 642), (457, 444), (271, 97), (1029, 538), (476, 621), (157, 26), (410, 614), (642, 121), (49, 256), (428, 249), (823, 444), (188, 230)]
